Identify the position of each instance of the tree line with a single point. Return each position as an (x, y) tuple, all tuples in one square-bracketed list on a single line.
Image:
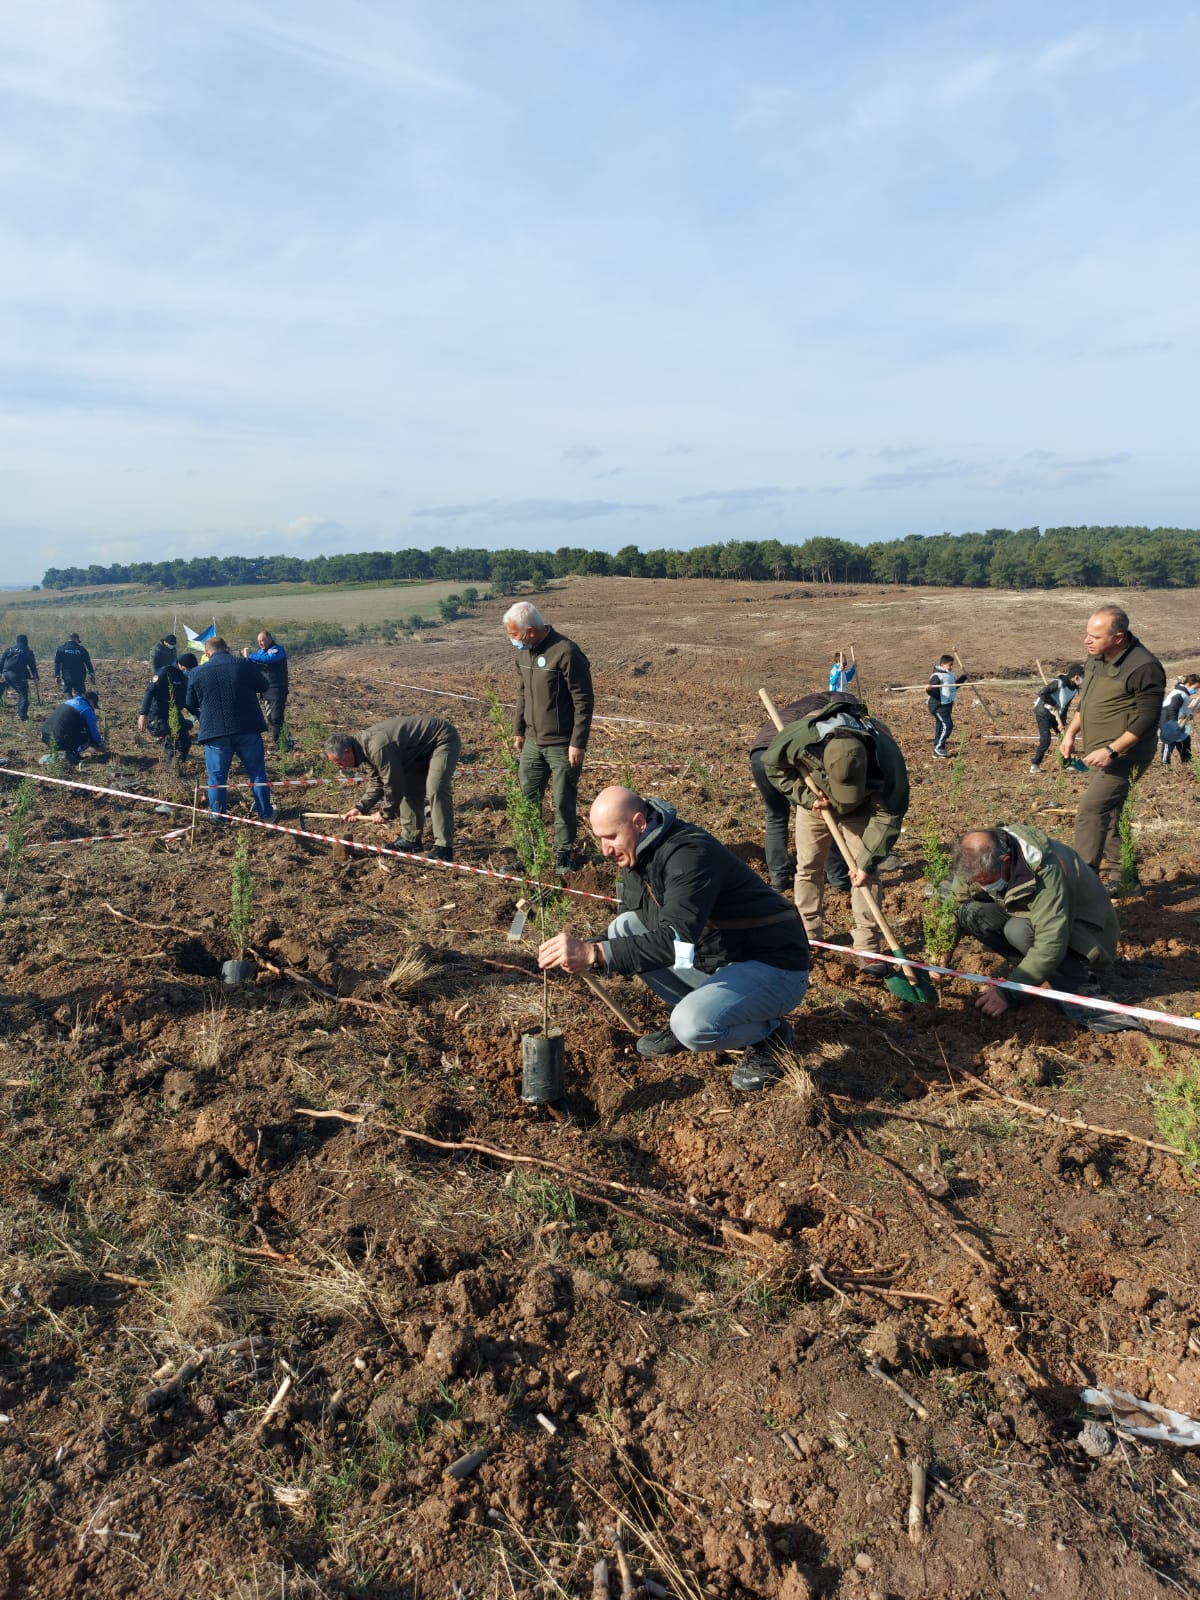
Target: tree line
[(1001, 558)]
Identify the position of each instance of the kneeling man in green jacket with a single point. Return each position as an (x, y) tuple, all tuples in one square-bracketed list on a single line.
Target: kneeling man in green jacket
[(1021, 893)]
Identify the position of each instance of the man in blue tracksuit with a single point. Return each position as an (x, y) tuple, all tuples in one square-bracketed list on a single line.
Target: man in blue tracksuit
[(272, 660), (224, 695), (1050, 709), (72, 727), (943, 692)]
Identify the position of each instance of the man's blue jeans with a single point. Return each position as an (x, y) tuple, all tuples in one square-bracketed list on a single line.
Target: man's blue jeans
[(218, 757), (730, 1009)]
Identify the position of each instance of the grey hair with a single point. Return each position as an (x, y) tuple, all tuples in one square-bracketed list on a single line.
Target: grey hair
[(523, 615), (987, 853), (1119, 618), (338, 744)]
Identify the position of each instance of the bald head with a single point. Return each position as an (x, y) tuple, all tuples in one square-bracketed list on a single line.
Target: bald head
[(618, 819)]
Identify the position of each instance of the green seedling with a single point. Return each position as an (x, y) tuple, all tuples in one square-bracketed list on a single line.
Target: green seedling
[(23, 806), (1177, 1115), (530, 839), (939, 921), (241, 895)]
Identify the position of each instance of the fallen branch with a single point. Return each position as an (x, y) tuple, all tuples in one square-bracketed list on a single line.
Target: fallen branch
[(911, 1401), (756, 1244), (1069, 1122), (121, 1277), (156, 927), (306, 982), (260, 1252)]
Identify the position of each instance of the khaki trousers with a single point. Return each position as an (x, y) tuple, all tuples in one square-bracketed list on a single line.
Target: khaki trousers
[(1098, 819), (813, 842)]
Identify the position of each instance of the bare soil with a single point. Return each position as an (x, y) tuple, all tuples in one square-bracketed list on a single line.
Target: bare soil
[(656, 1312)]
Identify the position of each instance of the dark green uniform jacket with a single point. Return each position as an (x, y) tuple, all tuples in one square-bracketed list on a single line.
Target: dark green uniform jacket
[(1122, 696), (554, 695), (796, 752), (386, 748), (1061, 897)]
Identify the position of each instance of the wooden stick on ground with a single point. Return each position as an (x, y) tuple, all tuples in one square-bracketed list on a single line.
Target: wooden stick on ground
[(916, 1501), (911, 1401), (281, 1394), (622, 1017), (260, 1252), (976, 692)]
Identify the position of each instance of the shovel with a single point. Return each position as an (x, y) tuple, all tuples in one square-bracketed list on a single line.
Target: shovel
[(908, 983)]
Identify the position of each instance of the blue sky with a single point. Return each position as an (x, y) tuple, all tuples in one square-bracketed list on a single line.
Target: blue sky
[(316, 277)]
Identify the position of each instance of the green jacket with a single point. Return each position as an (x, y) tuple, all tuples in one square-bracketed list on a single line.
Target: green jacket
[(1122, 696), (554, 693), (795, 752), (386, 748), (1061, 897)]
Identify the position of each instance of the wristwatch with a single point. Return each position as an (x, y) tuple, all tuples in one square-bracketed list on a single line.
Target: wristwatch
[(1112, 752)]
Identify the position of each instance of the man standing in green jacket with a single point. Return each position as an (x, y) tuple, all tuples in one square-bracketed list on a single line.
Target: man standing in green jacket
[(1115, 725), (409, 761), (861, 780), (552, 720), (1021, 893)]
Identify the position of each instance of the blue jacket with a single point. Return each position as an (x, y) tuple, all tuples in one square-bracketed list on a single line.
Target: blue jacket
[(839, 677), (224, 694), (73, 726), (273, 661)]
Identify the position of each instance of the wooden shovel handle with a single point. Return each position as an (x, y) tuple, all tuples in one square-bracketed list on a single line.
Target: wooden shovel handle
[(839, 839)]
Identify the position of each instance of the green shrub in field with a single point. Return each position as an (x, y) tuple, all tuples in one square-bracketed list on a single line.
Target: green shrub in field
[(938, 922), (1177, 1114), (526, 823), (23, 805), (241, 894), (1128, 867)]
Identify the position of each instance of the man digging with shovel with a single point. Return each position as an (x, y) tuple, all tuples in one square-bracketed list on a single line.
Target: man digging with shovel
[(834, 760), (702, 930)]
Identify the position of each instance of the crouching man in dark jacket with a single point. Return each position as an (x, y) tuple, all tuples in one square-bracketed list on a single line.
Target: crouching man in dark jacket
[(166, 693), (702, 930), (72, 728)]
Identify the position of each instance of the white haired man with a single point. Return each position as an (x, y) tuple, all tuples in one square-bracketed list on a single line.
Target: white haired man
[(552, 720)]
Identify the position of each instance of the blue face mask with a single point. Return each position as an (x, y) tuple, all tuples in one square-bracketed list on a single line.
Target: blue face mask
[(997, 886), (517, 644)]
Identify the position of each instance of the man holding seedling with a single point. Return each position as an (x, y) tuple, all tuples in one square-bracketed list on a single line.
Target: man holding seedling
[(1019, 892), (831, 758), (702, 931), (552, 719), (166, 690), (1115, 726), (410, 763)]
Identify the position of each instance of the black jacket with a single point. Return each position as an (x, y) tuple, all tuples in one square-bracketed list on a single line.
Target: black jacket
[(689, 889), (18, 664), (72, 663), (163, 655), (165, 686)]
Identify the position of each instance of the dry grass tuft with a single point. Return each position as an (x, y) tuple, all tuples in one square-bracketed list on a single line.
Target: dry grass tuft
[(408, 974), (798, 1084), (209, 1052), (194, 1299)]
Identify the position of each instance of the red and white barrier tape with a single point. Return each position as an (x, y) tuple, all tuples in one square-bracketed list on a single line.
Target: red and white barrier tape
[(1095, 1004), (93, 838), (303, 833), (1192, 1024)]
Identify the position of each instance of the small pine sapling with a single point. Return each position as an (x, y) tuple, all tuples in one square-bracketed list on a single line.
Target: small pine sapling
[(26, 798), (939, 922), (241, 895), (526, 823)]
